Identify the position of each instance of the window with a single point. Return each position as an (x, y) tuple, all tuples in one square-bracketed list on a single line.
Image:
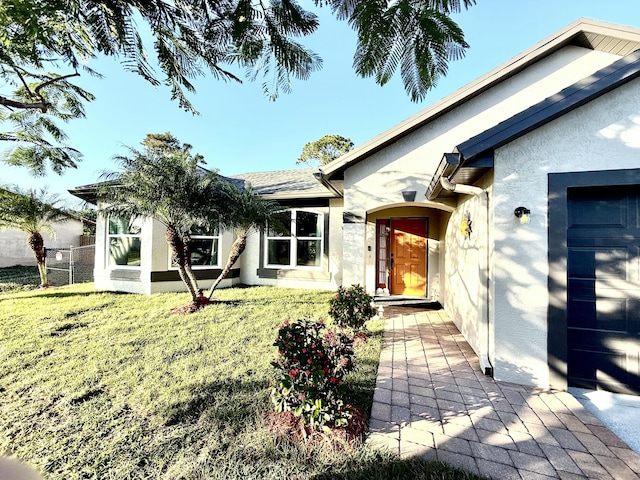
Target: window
[(205, 248), (124, 242), (294, 239)]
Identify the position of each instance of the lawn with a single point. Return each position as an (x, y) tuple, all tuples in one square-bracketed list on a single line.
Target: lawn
[(97, 385)]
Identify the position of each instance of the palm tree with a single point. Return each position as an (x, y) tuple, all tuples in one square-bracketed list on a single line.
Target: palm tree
[(166, 182), (32, 211), (249, 212)]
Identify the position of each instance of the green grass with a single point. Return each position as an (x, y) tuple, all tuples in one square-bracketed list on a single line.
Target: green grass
[(97, 385)]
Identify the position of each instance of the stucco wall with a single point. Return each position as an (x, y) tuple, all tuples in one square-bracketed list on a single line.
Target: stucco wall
[(155, 257), (410, 163), (15, 251), (328, 277), (602, 135), (467, 268)]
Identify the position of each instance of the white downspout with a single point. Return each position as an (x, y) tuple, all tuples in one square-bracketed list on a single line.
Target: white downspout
[(483, 307)]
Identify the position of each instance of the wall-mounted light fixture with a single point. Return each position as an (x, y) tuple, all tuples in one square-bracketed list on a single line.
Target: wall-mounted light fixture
[(523, 214), (409, 195)]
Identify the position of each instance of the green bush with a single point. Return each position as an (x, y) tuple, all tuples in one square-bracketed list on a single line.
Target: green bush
[(352, 307), (312, 362)]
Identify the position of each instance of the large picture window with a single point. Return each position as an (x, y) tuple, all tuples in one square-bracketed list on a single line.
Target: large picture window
[(205, 248), (124, 242), (295, 240)]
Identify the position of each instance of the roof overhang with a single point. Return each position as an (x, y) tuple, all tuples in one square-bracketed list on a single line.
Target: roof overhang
[(88, 193), (473, 158), (586, 33)]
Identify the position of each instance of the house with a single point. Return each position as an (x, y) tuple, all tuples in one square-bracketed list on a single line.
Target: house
[(15, 250), (514, 202)]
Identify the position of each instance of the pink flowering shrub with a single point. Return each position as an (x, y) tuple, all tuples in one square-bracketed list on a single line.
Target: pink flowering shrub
[(351, 307), (311, 364)]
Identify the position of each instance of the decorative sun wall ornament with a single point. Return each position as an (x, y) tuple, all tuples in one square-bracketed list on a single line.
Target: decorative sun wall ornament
[(465, 225)]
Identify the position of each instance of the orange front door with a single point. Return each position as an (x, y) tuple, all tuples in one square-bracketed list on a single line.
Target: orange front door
[(408, 256)]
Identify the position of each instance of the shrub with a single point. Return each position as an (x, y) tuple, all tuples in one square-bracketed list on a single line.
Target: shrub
[(312, 362), (351, 307)]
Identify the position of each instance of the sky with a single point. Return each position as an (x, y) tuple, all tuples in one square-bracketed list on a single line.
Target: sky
[(239, 130)]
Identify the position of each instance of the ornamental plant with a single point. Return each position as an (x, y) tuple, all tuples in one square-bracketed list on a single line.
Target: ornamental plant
[(312, 363), (352, 307)]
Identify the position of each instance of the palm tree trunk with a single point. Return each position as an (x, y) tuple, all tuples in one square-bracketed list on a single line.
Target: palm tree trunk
[(36, 243), (186, 239), (178, 257), (237, 248)]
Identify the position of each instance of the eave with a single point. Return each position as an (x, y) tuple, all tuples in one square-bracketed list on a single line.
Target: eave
[(586, 33), (474, 157)]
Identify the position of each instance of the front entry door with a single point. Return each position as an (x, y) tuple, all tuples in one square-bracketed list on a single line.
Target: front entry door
[(408, 256)]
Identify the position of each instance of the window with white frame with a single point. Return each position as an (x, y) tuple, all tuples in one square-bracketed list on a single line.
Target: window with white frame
[(123, 241), (295, 240), (205, 248)]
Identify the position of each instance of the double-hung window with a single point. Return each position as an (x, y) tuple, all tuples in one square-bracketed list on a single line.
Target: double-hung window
[(123, 241), (295, 240), (205, 248)]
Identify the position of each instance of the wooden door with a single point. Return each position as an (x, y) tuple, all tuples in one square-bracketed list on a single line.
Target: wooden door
[(408, 256)]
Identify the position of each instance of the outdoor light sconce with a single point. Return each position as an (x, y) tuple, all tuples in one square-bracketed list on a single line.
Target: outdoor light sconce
[(523, 214), (409, 195)]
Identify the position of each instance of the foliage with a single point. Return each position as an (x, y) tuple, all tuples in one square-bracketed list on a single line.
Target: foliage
[(32, 212), (44, 44), (352, 307), (166, 182), (88, 215), (101, 385), (312, 365), (325, 150), (246, 212)]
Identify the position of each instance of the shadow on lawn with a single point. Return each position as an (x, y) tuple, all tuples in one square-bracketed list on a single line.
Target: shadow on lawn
[(383, 466), (230, 402), (53, 293)]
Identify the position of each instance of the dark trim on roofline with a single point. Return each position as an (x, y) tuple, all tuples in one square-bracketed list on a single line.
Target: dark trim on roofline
[(467, 162), (585, 33), (582, 92)]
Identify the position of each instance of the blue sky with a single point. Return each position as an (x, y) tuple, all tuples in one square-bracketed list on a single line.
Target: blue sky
[(240, 130)]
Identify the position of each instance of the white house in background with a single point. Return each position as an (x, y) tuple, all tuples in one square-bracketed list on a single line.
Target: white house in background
[(15, 251), (514, 202)]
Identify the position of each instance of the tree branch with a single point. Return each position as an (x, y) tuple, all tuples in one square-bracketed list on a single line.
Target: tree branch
[(53, 80), (7, 102), (43, 105)]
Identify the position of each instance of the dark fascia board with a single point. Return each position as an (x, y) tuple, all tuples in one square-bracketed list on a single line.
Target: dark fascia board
[(476, 152), (451, 166), (603, 81), (583, 32)]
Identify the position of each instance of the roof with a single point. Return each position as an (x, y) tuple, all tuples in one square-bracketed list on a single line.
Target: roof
[(586, 33), (474, 157), (286, 184), (89, 193)]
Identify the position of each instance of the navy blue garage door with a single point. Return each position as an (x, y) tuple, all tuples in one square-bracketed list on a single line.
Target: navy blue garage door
[(603, 304)]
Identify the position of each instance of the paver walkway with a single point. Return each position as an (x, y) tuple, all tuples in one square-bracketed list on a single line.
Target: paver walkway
[(432, 400)]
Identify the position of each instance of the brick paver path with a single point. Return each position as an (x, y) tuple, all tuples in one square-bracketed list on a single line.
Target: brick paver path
[(432, 400)]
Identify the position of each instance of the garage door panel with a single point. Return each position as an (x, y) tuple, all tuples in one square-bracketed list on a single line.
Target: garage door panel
[(610, 315), (605, 369), (603, 275)]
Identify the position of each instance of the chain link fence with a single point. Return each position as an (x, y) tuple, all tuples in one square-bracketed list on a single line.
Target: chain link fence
[(66, 266)]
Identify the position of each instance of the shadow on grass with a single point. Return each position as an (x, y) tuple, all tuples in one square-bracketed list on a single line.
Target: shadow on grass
[(384, 466), (231, 402)]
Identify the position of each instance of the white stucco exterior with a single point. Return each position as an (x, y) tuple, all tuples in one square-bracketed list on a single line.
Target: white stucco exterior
[(410, 163), (154, 259), (493, 281), (600, 136)]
